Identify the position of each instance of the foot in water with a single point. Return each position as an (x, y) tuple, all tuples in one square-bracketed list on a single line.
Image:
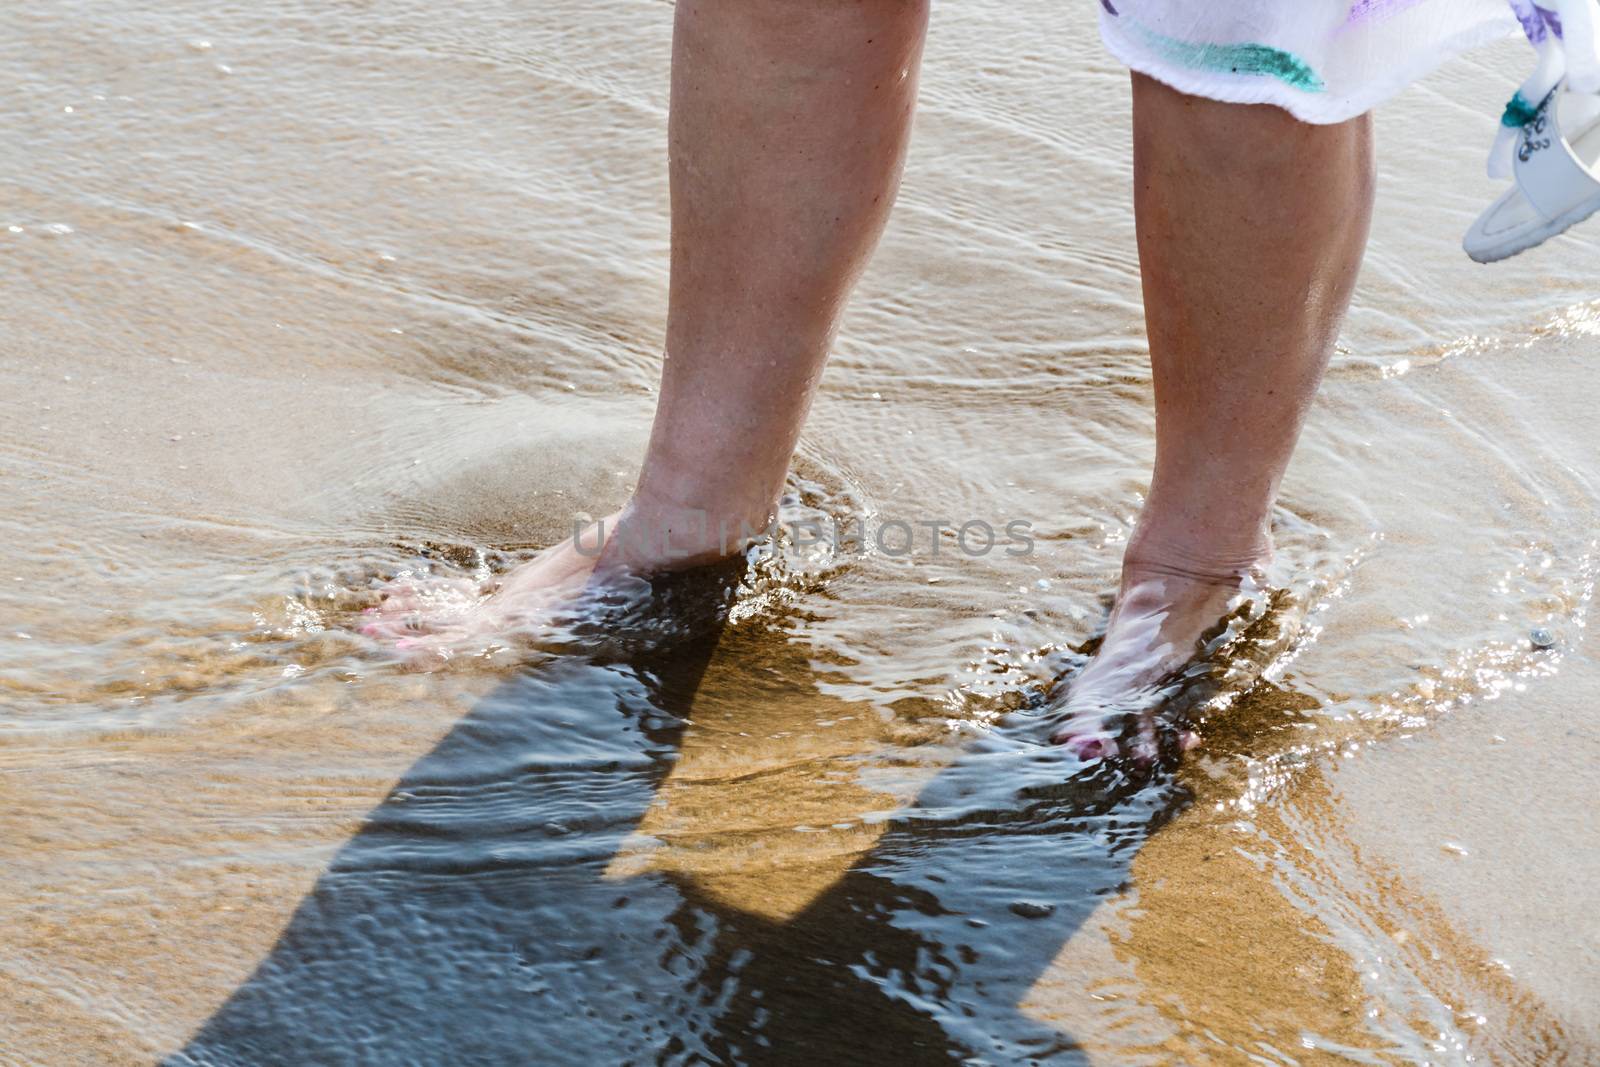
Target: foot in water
[(429, 621), (1165, 624)]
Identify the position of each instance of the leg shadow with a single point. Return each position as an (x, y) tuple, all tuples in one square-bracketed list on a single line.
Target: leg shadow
[(470, 920), (925, 949)]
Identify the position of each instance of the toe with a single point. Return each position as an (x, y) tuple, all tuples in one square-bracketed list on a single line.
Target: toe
[(434, 651), (1146, 743), (424, 654), (1088, 735), (1092, 746), (413, 607)]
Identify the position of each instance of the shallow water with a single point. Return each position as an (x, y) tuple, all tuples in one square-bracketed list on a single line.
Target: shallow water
[(298, 298)]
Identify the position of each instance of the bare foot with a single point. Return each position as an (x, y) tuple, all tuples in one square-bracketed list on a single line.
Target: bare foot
[(1165, 624), (431, 621), (420, 615)]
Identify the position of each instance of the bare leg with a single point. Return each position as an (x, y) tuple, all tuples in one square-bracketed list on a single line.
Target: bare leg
[(788, 132), (1251, 229)]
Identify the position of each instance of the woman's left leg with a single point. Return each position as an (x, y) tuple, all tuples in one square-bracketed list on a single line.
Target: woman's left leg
[(1251, 227)]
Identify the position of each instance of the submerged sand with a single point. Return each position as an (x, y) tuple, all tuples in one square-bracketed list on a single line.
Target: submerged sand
[(296, 299)]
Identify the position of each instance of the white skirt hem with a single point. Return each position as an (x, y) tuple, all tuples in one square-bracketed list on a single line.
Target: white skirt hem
[(1317, 108)]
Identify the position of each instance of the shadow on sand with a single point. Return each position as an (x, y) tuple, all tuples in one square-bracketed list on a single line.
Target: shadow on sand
[(471, 919)]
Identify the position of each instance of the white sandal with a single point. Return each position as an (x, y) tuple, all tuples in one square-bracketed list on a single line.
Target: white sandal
[(1557, 181)]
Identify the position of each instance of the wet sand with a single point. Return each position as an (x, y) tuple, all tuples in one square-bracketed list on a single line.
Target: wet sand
[(297, 299)]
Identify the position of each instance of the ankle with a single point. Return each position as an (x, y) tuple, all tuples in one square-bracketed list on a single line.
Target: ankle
[(650, 534), (724, 487), (1202, 558)]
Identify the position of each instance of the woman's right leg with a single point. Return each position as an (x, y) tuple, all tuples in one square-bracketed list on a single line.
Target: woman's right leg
[(788, 133), (790, 120)]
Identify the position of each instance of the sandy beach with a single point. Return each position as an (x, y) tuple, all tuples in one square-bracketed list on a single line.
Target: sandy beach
[(299, 297)]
